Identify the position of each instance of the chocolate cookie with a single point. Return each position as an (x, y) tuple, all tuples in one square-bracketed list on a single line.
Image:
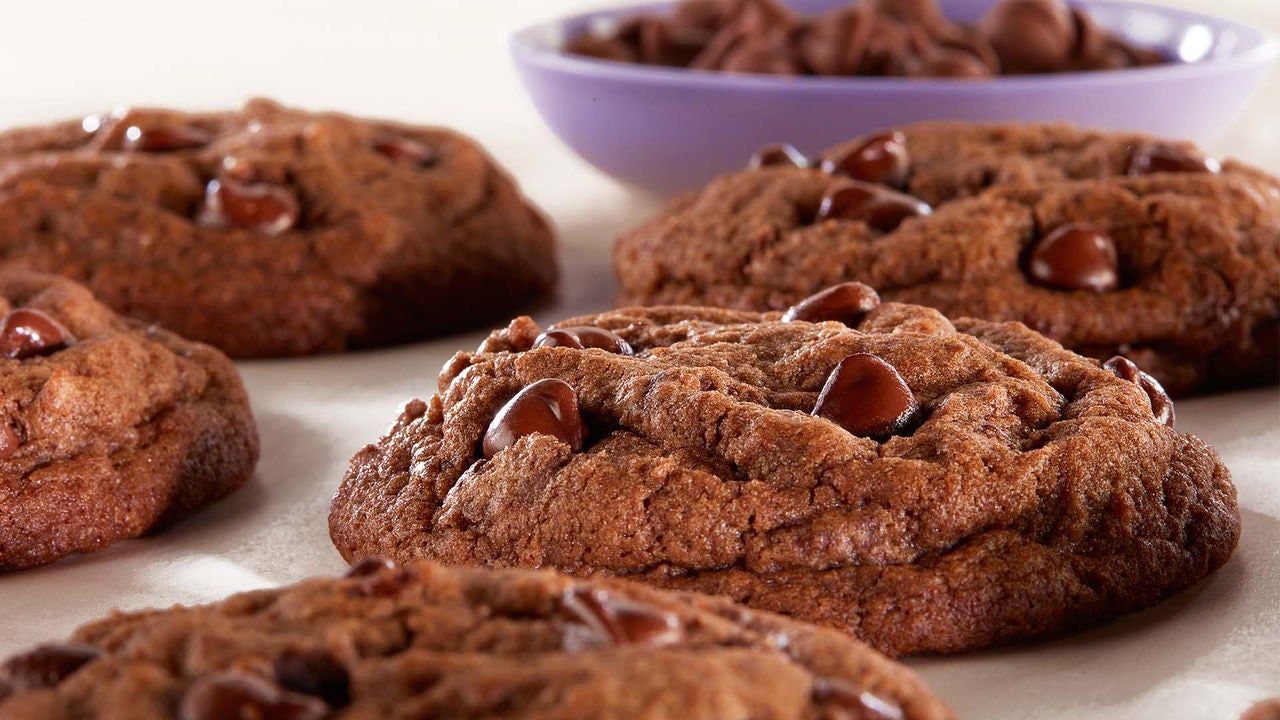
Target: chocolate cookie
[(927, 487), (1111, 244), (425, 641), (271, 231), (109, 428)]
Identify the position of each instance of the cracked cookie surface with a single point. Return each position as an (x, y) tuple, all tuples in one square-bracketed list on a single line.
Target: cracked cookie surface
[(111, 429), (1193, 297), (1027, 491), (426, 641), (271, 231)]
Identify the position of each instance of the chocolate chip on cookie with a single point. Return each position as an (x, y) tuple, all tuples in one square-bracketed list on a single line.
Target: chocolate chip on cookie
[(1076, 257), (868, 397), (547, 407), (583, 337), (882, 158), (847, 303), (260, 207), (26, 333), (164, 139), (778, 154), (1158, 157), (878, 207)]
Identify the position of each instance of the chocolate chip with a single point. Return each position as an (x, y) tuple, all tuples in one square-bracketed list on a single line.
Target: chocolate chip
[(848, 303), (46, 666), (1161, 405), (9, 440), (763, 56), (949, 63), (548, 407), (881, 208), (378, 578), (26, 332), (1076, 257), (1165, 158), (582, 337), (1030, 36), (316, 673), (868, 397), (778, 154), (846, 701), (620, 622), (163, 139), (882, 158), (402, 149), (237, 696), (370, 566), (268, 209)]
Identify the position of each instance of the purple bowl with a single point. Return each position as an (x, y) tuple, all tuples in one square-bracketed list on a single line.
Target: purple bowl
[(665, 130)]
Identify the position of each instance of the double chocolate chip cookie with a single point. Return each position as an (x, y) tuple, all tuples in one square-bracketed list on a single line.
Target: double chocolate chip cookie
[(923, 484), (272, 232), (425, 641), (109, 428), (1109, 243)]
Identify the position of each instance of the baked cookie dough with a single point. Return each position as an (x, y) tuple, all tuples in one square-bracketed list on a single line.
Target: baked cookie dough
[(271, 231), (1109, 243), (109, 428), (925, 485), (426, 641)]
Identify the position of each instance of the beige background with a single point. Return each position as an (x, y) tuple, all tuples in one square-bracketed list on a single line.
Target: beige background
[(1206, 654)]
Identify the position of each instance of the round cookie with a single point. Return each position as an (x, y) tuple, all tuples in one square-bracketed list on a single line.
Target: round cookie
[(275, 232), (1180, 276), (110, 429), (923, 485), (426, 641)]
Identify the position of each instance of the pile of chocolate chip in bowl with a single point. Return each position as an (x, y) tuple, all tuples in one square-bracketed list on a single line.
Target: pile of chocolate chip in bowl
[(895, 38)]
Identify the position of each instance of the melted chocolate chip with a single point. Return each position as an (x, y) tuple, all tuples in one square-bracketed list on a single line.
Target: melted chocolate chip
[(1151, 158), (881, 208), (548, 407), (46, 666), (848, 303), (9, 440), (1076, 257), (778, 154), (316, 673), (620, 622), (582, 337), (882, 158), (26, 333), (163, 139), (846, 701), (403, 149), (1161, 404), (237, 696), (268, 209), (868, 397), (378, 578)]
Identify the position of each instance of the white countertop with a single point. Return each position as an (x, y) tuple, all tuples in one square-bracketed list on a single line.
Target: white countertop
[(1205, 654)]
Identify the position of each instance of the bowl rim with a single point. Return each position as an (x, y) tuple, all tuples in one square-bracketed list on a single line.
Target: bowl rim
[(527, 49)]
